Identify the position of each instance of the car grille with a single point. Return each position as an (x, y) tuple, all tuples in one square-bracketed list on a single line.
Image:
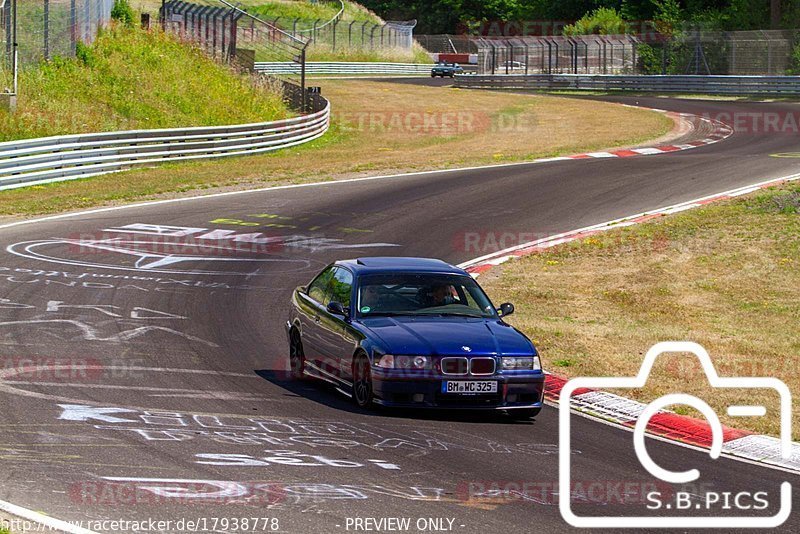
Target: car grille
[(455, 366), (481, 366), (461, 366)]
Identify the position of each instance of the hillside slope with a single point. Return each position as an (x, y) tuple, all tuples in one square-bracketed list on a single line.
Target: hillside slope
[(352, 45), (132, 79)]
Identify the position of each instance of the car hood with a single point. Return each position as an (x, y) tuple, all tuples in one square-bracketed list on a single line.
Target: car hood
[(448, 336)]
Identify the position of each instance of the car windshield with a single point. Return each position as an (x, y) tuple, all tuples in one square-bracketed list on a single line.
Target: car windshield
[(422, 295)]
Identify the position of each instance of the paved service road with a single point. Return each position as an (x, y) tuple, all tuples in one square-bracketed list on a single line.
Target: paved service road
[(143, 367)]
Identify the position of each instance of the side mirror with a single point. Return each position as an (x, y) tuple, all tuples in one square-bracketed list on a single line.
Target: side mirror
[(336, 308), (505, 309)]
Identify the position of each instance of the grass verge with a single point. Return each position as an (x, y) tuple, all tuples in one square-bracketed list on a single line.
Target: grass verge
[(130, 79), (726, 276), (398, 127)]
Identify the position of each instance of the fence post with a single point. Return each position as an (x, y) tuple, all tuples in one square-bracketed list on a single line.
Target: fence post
[(46, 29), (586, 57), (769, 55), (527, 58), (549, 56), (350, 34), (574, 52), (363, 29), (303, 79), (73, 23), (372, 37), (558, 51), (7, 15), (15, 48), (214, 34), (232, 45), (335, 23)]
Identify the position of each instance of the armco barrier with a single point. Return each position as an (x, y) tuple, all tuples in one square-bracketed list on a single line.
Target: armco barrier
[(730, 85), (335, 67), (52, 159)]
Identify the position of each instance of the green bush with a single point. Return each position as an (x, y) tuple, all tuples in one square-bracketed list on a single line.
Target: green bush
[(602, 21), (794, 65), (84, 54), (649, 58), (123, 12)]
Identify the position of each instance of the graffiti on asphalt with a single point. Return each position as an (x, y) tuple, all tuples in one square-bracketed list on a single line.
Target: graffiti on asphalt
[(64, 320), (289, 433), (284, 457), (182, 250), (115, 282)]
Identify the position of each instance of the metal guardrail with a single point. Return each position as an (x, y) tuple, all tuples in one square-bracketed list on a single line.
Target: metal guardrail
[(729, 85), (51, 159), (336, 67)]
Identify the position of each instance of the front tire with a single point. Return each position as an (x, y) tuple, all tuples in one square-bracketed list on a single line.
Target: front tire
[(524, 414), (362, 382), (297, 357)]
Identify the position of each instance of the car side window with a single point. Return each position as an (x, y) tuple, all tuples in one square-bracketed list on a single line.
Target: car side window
[(318, 288), (342, 286)]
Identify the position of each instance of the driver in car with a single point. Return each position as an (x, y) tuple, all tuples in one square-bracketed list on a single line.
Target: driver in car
[(441, 295)]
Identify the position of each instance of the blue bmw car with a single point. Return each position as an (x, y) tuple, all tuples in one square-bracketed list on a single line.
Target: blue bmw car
[(413, 333)]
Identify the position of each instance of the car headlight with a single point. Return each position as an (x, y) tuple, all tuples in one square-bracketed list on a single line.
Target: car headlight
[(521, 363), (389, 361)]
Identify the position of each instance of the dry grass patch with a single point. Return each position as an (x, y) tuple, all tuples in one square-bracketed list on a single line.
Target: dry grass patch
[(726, 276), (379, 127)]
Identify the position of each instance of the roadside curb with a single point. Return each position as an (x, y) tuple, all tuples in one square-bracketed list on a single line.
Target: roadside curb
[(720, 131), (623, 411)]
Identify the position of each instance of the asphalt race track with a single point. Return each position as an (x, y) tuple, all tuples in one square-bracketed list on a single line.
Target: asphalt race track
[(147, 377)]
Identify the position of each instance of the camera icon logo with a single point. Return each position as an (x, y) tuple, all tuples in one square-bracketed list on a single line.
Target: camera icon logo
[(673, 477)]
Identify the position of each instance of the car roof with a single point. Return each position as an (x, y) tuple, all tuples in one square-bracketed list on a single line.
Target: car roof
[(397, 264)]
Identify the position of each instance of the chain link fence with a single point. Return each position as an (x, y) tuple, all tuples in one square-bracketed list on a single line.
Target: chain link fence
[(232, 35), (49, 28), (44, 29), (763, 52), (756, 52), (447, 44), (338, 34), (586, 54)]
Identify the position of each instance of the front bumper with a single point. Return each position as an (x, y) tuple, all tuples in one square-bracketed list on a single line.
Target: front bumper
[(514, 391)]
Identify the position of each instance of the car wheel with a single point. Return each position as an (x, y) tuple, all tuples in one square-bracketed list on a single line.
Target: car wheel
[(362, 382), (297, 358), (524, 414)]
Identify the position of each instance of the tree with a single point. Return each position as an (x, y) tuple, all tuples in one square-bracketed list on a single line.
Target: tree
[(602, 21)]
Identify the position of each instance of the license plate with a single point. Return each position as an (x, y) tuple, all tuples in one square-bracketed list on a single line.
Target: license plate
[(469, 386)]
